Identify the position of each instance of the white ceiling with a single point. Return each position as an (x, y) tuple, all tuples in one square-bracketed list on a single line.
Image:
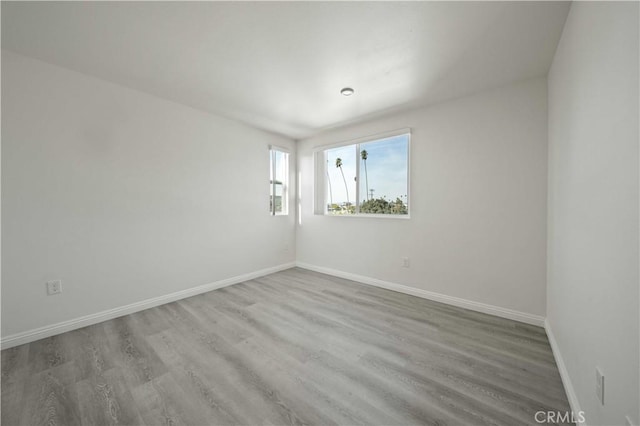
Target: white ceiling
[(280, 66)]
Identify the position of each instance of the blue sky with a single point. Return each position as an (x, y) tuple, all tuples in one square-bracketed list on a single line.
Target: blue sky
[(386, 166)]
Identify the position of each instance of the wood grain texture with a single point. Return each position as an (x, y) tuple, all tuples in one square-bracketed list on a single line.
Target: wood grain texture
[(295, 347)]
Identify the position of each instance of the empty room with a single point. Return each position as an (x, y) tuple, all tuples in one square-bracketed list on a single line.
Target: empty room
[(320, 213)]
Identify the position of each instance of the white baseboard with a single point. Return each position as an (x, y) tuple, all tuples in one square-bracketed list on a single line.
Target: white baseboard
[(425, 294), (64, 326), (564, 373)]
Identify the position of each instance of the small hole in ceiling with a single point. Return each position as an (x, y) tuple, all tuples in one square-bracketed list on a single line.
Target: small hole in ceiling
[(347, 91)]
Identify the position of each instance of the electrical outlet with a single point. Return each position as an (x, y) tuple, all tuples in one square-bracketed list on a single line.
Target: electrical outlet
[(405, 262), (54, 287), (600, 386)]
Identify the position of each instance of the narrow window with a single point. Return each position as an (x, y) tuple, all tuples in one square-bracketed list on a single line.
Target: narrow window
[(370, 177), (278, 181)]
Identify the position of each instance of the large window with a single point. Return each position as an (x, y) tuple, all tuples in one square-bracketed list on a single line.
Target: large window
[(278, 181), (370, 177)]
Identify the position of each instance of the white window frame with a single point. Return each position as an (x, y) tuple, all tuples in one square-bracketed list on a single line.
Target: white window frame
[(321, 184), (285, 184)]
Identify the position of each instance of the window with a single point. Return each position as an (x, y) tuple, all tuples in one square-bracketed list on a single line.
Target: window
[(278, 181), (370, 177)]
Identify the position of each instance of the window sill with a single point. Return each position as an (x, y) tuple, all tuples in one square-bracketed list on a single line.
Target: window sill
[(371, 216)]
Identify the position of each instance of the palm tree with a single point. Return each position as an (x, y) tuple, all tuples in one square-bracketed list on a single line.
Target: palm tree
[(339, 165), (330, 191), (364, 154)]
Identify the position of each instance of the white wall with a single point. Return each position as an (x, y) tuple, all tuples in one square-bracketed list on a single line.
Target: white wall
[(592, 290), (478, 203), (123, 196)]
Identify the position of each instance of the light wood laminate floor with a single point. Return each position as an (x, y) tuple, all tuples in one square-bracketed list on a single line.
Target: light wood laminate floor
[(295, 347)]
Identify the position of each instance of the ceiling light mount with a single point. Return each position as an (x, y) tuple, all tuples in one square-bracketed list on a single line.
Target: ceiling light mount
[(347, 91)]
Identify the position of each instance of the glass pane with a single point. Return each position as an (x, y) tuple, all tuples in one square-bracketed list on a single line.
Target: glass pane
[(279, 173), (271, 155), (384, 176), (279, 193), (341, 184)]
